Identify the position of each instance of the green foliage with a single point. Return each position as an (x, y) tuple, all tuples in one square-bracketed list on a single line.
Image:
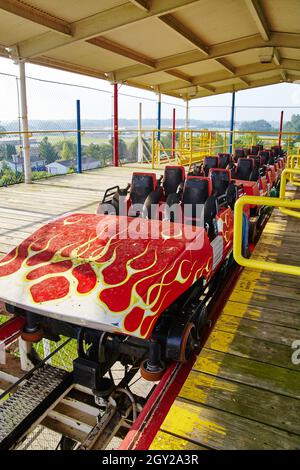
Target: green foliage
[(10, 151), (123, 150), (66, 149), (166, 140), (261, 125), (47, 151), (101, 152), (293, 125)]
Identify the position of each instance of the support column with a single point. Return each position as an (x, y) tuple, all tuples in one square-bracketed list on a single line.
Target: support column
[(280, 128), (140, 137), (158, 116), (232, 122), (78, 121), (24, 124), (173, 133), (116, 125), (187, 115)]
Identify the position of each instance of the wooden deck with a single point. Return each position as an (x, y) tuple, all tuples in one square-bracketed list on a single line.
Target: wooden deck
[(244, 390)]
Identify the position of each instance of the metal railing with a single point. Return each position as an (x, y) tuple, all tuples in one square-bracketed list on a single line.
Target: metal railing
[(135, 146), (289, 205), (191, 146)]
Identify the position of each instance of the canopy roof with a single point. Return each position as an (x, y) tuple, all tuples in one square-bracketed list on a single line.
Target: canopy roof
[(182, 48)]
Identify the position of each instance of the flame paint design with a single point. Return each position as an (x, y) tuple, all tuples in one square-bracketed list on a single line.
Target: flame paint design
[(74, 269)]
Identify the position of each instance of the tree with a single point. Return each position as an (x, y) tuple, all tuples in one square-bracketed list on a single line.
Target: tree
[(47, 151), (133, 149), (10, 151), (294, 124), (123, 150), (66, 149), (261, 126)]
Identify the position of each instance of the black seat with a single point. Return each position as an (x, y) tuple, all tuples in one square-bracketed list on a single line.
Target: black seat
[(265, 155), (210, 162), (173, 177), (255, 149), (220, 180), (238, 153), (142, 184), (196, 191), (224, 160), (244, 169)]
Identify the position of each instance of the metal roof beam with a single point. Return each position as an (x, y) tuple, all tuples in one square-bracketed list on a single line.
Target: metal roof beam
[(237, 87), (143, 4), (180, 75), (241, 72), (226, 65), (121, 50), (100, 23), (259, 18), (184, 32), (215, 52), (36, 16)]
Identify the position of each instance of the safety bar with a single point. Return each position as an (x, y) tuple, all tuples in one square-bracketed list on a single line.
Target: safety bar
[(237, 238), (285, 177)]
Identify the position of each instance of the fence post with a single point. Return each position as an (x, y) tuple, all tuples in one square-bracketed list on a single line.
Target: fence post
[(116, 125), (24, 124), (158, 116), (78, 124), (140, 136), (187, 117), (232, 122), (280, 128), (173, 133)]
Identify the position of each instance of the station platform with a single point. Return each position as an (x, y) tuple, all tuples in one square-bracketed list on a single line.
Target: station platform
[(244, 390)]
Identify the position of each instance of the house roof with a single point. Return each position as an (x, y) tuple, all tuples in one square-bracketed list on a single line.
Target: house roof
[(183, 48), (66, 163)]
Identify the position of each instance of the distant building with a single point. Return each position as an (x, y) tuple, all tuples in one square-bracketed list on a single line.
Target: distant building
[(60, 167), (37, 164), (89, 163)]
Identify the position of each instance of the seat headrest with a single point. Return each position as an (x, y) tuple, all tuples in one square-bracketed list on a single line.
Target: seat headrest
[(173, 177), (224, 159), (239, 153), (210, 162), (220, 180), (196, 190), (142, 184)]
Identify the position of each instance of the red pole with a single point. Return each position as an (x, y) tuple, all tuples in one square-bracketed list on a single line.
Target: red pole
[(280, 128), (116, 126), (173, 133)]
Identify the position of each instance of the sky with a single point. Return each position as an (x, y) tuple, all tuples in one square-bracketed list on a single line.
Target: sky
[(57, 101)]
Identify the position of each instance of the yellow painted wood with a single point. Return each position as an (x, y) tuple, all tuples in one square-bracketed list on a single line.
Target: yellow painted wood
[(244, 391)]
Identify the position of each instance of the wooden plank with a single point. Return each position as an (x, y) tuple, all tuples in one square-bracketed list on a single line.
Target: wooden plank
[(243, 400), (259, 330), (250, 372), (256, 349), (263, 314), (164, 440), (218, 430), (253, 299)]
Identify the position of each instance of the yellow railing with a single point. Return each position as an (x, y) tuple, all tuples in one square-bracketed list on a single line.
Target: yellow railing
[(192, 146), (238, 226), (284, 179)]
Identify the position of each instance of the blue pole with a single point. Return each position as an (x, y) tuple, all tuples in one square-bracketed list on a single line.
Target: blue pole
[(79, 166), (232, 121), (159, 116)]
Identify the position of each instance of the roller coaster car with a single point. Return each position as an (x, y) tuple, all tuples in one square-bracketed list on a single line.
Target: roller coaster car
[(129, 288)]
